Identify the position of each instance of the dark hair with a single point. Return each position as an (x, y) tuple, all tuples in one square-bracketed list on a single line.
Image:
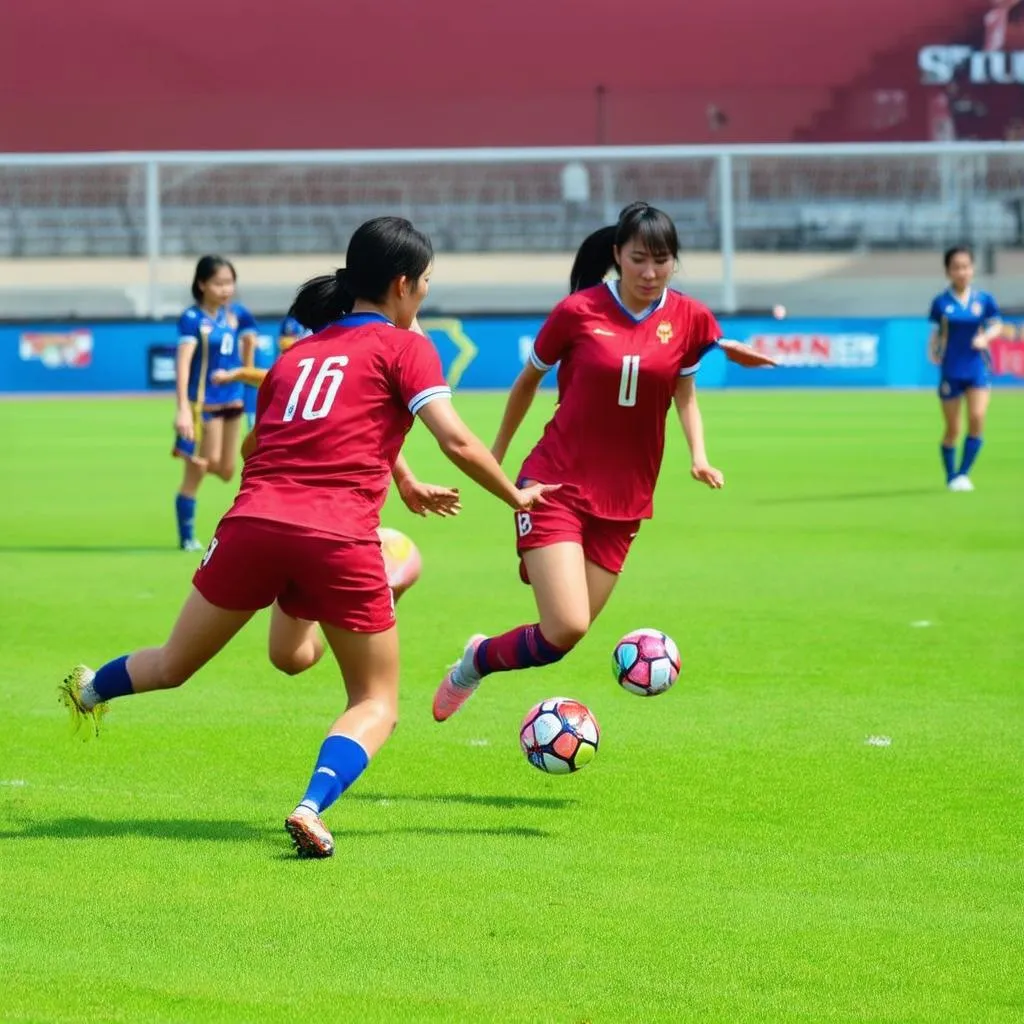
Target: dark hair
[(380, 250), (956, 250), (595, 257), (205, 269)]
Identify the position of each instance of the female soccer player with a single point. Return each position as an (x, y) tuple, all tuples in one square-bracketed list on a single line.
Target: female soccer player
[(301, 535), (966, 320), (627, 349), (210, 333)]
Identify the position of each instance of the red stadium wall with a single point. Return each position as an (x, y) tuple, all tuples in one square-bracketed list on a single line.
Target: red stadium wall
[(118, 74)]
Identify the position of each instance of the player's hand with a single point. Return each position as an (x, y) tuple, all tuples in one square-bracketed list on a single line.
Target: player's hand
[(933, 356), (528, 497), (422, 499), (184, 425), (980, 342), (223, 376), (705, 474), (744, 355)]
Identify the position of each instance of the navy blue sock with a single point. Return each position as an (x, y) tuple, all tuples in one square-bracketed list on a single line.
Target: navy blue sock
[(185, 509), (340, 763), (949, 461), (972, 445), (112, 680), (523, 647)]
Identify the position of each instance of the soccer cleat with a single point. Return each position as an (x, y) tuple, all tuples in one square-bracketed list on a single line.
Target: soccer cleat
[(960, 483), (71, 696), (192, 545), (460, 682), (309, 834)]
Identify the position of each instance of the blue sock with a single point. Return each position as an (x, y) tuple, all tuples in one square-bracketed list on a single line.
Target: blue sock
[(112, 680), (185, 509), (340, 763), (949, 461), (972, 445)]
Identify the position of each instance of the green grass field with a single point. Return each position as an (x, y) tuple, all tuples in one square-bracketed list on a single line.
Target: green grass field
[(738, 851)]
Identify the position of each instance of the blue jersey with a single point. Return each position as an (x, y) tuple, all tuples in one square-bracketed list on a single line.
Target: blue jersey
[(217, 341), (291, 331), (959, 321)]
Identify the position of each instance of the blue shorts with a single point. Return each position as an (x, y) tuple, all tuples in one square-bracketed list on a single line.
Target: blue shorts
[(954, 387)]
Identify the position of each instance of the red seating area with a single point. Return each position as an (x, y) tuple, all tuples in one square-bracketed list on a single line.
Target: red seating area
[(192, 75)]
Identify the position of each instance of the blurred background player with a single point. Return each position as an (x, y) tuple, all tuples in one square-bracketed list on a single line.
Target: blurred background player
[(210, 335), (966, 321), (301, 534), (627, 349)]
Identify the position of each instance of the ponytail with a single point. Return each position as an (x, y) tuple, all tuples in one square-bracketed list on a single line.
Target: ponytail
[(322, 300), (594, 258)]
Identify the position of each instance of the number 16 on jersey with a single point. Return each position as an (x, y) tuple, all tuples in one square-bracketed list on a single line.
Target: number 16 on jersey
[(330, 374)]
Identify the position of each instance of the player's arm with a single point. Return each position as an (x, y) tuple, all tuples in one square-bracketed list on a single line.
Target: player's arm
[(744, 355), (421, 498), (248, 334), (937, 339), (465, 450), (249, 444), (992, 327), (246, 374), (693, 427), (184, 423)]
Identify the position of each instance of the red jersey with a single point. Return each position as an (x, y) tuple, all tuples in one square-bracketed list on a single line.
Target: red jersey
[(331, 417), (616, 380)]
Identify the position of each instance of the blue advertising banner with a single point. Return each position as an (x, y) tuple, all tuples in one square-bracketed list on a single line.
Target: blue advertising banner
[(487, 352)]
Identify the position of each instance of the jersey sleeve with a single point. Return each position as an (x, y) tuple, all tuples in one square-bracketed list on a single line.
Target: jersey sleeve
[(705, 333), (417, 374), (246, 321), (553, 339), (188, 328), (991, 309), (935, 312)]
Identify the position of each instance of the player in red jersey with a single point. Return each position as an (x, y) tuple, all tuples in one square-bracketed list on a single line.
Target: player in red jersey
[(301, 535), (626, 350)]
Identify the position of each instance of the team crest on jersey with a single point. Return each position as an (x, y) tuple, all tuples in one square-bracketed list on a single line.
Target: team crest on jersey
[(665, 332)]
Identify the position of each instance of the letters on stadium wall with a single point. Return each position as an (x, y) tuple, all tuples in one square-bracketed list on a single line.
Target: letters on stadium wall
[(488, 352)]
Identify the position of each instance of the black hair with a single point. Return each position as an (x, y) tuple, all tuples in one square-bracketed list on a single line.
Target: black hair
[(957, 250), (380, 250), (650, 226), (205, 269)]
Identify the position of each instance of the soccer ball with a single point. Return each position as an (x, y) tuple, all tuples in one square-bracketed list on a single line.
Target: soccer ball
[(402, 560), (559, 735), (646, 662)]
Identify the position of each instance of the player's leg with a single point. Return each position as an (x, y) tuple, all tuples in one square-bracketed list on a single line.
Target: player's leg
[(294, 644), (345, 587), (185, 499), (212, 446), (201, 631), (977, 407), (606, 545), (951, 432), (230, 439)]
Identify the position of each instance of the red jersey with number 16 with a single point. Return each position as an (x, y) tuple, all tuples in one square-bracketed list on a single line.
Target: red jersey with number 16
[(331, 417), (616, 379)]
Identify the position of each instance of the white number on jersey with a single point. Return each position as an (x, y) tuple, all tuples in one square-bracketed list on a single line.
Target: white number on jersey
[(628, 381), (317, 406), (227, 343)]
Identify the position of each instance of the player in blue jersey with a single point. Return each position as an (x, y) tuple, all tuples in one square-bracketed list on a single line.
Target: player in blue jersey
[(210, 335), (966, 320)]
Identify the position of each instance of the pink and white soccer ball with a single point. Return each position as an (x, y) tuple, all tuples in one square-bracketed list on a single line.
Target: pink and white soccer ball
[(402, 560), (559, 735), (646, 662)]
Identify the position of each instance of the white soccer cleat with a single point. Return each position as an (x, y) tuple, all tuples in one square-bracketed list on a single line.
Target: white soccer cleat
[(193, 545), (83, 711), (960, 483), (311, 836)]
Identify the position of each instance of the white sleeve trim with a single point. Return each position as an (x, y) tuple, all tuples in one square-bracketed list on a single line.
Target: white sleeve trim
[(537, 362), (427, 395), (182, 338), (689, 371)]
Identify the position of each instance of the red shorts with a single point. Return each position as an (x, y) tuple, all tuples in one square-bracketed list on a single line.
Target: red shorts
[(605, 542), (251, 563)]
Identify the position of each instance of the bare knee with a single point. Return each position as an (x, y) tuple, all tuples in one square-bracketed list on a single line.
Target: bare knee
[(565, 633), (225, 470), (291, 663), (975, 425)]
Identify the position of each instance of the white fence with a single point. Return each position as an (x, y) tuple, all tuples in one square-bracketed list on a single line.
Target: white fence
[(139, 214)]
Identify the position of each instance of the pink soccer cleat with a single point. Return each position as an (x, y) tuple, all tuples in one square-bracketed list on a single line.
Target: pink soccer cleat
[(310, 835), (460, 683)]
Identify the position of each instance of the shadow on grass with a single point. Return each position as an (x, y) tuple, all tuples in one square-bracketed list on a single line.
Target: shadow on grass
[(198, 830), (810, 499), (544, 803)]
